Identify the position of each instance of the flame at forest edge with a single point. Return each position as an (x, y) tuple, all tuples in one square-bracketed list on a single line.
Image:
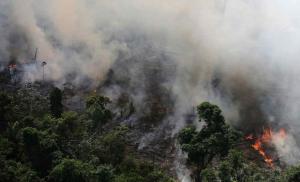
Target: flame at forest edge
[(266, 139)]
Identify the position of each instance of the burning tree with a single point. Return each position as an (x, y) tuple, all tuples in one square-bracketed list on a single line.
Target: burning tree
[(215, 139)]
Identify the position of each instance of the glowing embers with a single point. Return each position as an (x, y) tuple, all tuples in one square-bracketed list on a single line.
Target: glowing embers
[(266, 140)]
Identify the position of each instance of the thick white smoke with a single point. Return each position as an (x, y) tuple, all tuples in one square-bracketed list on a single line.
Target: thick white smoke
[(240, 54)]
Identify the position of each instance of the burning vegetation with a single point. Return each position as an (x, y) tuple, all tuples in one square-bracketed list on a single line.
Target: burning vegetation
[(115, 126), (263, 142), (129, 78)]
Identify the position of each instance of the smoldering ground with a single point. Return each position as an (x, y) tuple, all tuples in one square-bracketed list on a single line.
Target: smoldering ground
[(241, 55)]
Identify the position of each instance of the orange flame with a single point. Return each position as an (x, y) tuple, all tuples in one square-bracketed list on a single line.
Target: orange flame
[(258, 147), (266, 138)]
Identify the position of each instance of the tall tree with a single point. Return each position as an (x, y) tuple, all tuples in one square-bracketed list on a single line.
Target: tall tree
[(214, 139), (56, 106)]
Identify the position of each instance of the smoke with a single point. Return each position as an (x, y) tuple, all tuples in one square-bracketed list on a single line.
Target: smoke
[(241, 55), (285, 147)]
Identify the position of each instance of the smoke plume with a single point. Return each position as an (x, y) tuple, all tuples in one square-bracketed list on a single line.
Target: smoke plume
[(241, 55)]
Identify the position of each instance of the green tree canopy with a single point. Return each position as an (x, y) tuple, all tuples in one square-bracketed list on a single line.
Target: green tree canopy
[(97, 110), (213, 140), (71, 170), (292, 174), (5, 109), (56, 106), (40, 147)]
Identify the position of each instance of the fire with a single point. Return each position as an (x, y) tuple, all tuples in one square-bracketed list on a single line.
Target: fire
[(264, 140), (258, 146)]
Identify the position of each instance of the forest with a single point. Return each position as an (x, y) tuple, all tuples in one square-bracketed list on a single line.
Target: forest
[(149, 91), (43, 141)]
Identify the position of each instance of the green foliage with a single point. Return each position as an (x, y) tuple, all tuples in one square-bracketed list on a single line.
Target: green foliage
[(112, 146), (56, 106), (6, 147), (39, 147), (234, 167), (13, 171), (225, 171), (29, 101), (70, 126), (5, 109), (209, 175), (292, 174), (129, 177), (30, 136), (97, 110), (214, 139), (133, 170), (70, 170), (23, 105), (104, 173), (158, 176), (187, 134), (40, 144), (236, 159), (211, 115)]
